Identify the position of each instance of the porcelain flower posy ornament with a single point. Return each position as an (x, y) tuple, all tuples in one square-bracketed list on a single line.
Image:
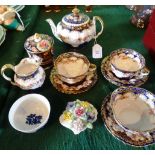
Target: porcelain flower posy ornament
[(78, 116)]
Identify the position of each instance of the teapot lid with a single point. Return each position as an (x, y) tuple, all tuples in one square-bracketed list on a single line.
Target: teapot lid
[(75, 18)]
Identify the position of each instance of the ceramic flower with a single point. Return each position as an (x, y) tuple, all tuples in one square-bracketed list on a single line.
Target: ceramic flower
[(67, 116), (78, 116)]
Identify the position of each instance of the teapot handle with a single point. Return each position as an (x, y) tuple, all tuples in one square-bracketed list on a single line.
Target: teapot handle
[(7, 66), (102, 25)]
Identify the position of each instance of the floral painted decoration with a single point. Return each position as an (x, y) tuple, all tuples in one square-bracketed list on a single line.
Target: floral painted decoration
[(78, 116), (33, 119)]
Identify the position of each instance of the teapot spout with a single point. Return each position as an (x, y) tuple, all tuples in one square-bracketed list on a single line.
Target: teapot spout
[(53, 28)]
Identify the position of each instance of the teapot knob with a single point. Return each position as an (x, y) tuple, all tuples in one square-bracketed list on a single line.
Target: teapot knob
[(75, 11)]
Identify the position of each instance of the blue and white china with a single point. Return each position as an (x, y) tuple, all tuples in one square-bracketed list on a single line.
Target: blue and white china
[(76, 28), (123, 55), (28, 73), (134, 109), (131, 138), (29, 113), (136, 80)]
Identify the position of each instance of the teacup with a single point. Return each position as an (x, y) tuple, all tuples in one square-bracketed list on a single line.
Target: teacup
[(133, 109), (126, 63), (28, 73), (73, 67)]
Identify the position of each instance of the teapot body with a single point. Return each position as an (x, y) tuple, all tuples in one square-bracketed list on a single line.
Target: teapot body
[(76, 28), (76, 36)]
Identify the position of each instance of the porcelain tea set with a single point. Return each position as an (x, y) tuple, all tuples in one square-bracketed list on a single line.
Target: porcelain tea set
[(128, 112)]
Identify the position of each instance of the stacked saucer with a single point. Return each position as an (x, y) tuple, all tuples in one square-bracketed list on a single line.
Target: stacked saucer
[(129, 115), (2, 34), (73, 73), (125, 67)]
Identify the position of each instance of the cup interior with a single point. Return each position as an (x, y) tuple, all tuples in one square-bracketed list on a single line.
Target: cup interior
[(133, 109), (26, 67), (72, 65), (127, 60), (29, 113)]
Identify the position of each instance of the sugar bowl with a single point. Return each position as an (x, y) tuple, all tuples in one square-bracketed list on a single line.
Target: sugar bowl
[(42, 46)]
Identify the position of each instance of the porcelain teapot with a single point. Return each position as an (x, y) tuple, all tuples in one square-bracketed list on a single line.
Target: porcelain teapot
[(76, 28), (28, 73)]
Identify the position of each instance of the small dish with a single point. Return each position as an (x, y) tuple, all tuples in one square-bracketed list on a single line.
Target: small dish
[(29, 113)]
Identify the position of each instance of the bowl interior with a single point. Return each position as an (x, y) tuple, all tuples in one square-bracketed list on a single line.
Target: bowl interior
[(133, 108), (29, 113)]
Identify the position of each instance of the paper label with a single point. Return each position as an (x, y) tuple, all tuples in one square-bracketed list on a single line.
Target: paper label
[(97, 51)]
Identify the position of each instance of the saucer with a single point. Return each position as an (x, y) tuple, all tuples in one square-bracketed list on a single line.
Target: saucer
[(111, 77), (134, 139), (77, 88)]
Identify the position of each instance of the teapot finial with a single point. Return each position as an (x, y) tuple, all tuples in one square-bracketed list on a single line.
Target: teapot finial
[(75, 11)]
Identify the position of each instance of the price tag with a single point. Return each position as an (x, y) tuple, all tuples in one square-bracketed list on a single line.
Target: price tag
[(97, 51)]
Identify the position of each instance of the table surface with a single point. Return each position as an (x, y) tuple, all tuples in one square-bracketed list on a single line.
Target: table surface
[(118, 33)]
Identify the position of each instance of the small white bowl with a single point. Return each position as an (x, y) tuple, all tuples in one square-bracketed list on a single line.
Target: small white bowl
[(20, 116)]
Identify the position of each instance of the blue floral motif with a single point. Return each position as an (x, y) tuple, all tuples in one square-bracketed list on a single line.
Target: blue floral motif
[(33, 119)]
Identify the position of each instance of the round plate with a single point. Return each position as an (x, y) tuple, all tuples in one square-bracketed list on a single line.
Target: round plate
[(134, 139), (110, 76), (78, 88)]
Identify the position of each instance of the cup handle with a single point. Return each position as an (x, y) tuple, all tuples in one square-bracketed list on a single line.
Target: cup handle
[(144, 72), (7, 66), (102, 25), (92, 68)]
